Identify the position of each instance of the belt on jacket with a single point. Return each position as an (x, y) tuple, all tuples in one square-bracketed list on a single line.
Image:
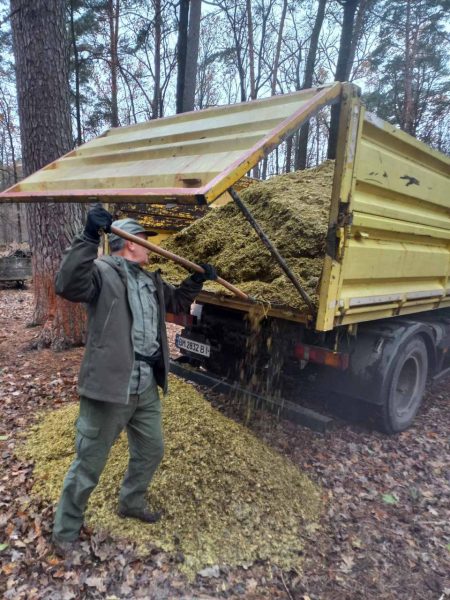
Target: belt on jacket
[(150, 360)]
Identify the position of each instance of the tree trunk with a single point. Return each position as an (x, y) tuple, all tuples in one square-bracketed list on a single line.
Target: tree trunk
[(241, 71), (19, 225), (251, 50), (343, 67), (251, 65), (181, 52), (157, 89), (113, 18), (76, 66), (9, 128), (4, 174), (301, 154), (276, 61), (359, 26), (195, 14), (41, 55), (289, 154), (237, 29), (407, 116), (5, 107)]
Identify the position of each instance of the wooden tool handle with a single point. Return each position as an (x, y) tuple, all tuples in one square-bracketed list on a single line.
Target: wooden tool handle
[(187, 264)]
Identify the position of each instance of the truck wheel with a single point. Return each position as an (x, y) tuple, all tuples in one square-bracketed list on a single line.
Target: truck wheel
[(406, 388)]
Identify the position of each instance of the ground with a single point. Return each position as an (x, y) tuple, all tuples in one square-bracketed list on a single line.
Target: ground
[(385, 532)]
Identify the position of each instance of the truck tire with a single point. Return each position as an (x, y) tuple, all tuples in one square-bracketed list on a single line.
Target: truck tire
[(406, 387)]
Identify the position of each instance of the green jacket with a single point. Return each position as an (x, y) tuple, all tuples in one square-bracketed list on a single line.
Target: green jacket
[(109, 355)]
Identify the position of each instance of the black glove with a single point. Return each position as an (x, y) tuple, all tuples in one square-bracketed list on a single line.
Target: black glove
[(210, 273), (97, 218)]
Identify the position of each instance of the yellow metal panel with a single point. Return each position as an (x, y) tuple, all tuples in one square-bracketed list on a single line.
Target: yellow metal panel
[(401, 174), (329, 285), (368, 259), (151, 173), (363, 223), (350, 125), (402, 143), (387, 311), (396, 252), (189, 158), (365, 291)]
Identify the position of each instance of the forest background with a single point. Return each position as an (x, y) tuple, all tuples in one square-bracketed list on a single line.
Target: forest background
[(127, 59), (70, 69)]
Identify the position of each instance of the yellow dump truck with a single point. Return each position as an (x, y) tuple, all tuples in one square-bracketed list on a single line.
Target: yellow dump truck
[(381, 326)]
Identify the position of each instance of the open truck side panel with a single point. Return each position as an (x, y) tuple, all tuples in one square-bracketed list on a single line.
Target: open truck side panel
[(381, 326), (189, 158)]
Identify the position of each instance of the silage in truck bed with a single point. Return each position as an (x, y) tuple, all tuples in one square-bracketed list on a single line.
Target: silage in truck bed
[(292, 209)]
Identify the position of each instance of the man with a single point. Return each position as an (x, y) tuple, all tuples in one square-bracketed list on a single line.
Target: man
[(126, 357)]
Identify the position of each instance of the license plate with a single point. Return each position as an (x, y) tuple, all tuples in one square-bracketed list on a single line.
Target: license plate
[(192, 346)]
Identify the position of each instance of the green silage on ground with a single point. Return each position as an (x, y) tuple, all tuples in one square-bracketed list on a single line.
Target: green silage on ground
[(227, 498)]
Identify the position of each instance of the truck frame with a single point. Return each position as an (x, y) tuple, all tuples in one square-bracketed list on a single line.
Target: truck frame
[(382, 325)]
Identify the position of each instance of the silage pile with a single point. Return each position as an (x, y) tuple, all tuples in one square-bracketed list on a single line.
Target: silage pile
[(227, 498), (293, 211)]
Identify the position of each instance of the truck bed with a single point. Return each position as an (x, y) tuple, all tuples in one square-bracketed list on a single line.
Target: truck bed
[(388, 247), (388, 251)]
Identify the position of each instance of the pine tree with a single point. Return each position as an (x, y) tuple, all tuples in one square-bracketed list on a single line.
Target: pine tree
[(410, 84), (41, 58)]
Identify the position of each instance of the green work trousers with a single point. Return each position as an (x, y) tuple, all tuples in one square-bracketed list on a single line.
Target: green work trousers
[(98, 426)]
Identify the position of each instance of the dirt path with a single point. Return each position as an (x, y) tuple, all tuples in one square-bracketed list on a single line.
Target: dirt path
[(385, 533)]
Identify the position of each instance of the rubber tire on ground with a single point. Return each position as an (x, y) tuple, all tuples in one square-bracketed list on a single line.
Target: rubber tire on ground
[(401, 405)]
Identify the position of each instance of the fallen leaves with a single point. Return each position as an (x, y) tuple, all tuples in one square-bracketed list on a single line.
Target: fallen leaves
[(390, 499)]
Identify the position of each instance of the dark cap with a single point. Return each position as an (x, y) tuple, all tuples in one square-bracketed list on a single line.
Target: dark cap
[(128, 225)]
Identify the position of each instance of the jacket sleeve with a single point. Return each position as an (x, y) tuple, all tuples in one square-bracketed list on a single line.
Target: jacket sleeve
[(78, 278), (179, 299)]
